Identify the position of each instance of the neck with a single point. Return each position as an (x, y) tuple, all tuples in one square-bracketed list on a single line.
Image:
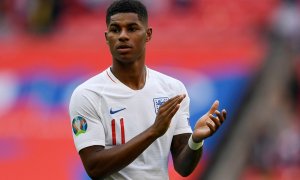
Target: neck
[(133, 76)]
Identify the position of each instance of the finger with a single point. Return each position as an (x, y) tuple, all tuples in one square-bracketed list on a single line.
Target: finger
[(168, 103), (216, 120), (214, 107), (171, 101), (169, 113), (211, 126), (170, 110), (165, 111), (220, 116), (224, 113), (173, 112)]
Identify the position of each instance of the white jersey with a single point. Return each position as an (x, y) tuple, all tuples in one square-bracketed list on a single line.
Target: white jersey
[(106, 112)]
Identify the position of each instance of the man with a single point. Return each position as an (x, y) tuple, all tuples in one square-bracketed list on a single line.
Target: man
[(134, 115)]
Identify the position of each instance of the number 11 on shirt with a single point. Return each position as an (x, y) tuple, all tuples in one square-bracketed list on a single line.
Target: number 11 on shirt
[(113, 129)]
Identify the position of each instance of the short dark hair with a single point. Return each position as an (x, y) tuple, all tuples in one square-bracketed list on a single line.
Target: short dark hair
[(127, 6)]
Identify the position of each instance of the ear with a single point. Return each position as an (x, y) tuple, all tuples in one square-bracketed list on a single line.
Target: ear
[(148, 34), (105, 34)]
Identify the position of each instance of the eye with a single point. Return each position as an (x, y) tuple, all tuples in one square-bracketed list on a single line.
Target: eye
[(114, 30), (132, 29)]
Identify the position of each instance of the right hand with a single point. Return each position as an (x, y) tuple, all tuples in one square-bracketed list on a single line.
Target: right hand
[(165, 114)]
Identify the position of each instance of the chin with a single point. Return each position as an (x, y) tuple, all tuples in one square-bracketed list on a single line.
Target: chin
[(125, 60)]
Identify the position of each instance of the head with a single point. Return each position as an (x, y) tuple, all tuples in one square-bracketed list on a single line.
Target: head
[(127, 30), (127, 6)]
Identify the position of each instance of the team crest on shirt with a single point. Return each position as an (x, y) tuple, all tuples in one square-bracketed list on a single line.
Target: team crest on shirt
[(158, 102), (79, 125)]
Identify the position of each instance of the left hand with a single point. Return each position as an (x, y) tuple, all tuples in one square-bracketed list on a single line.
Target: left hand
[(208, 124)]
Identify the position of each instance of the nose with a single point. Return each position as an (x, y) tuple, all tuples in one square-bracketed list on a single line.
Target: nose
[(123, 36)]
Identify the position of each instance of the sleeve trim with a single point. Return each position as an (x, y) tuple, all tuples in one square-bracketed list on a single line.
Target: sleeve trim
[(89, 143), (183, 131)]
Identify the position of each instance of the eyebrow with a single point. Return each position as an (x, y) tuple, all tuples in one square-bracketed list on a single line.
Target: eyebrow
[(130, 24)]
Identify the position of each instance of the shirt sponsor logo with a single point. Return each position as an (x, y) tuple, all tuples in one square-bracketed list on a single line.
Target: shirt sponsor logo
[(79, 125), (158, 102), (116, 111)]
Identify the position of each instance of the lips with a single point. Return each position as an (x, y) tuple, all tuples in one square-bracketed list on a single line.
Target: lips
[(124, 48)]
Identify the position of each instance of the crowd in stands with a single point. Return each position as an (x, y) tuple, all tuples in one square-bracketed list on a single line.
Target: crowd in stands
[(40, 16), (276, 153)]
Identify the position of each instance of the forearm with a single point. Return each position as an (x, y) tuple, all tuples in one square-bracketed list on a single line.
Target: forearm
[(184, 158), (187, 160), (109, 161)]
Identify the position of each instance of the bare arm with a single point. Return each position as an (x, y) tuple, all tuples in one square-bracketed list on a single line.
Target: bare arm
[(100, 162), (185, 159)]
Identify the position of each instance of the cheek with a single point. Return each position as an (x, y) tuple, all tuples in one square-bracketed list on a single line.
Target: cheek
[(141, 41), (110, 38), (110, 42)]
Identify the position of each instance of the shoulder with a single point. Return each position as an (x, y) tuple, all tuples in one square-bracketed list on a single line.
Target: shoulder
[(93, 84), (165, 79), (91, 88)]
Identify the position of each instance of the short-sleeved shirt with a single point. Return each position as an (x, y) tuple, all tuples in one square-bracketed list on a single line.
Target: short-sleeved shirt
[(106, 112)]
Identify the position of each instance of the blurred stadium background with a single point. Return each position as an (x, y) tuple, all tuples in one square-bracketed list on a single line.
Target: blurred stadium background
[(245, 53)]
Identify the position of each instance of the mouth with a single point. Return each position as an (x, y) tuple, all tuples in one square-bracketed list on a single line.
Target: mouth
[(123, 48)]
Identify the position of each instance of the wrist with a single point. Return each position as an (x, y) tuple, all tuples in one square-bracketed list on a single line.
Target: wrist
[(153, 133), (196, 140), (195, 145)]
